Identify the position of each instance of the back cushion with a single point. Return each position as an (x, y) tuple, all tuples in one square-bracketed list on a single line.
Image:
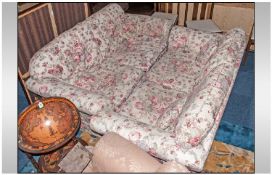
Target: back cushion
[(151, 26), (92, 52), (134, 26), (178, 37), (128, 28), (103, 26), (206, 52), (181, 37)]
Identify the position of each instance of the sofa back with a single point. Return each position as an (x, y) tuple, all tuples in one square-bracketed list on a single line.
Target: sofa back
[(61, 57), (103, 25), (135, 25), (81, 47)]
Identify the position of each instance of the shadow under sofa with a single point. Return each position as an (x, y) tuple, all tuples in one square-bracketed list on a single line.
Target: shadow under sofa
[(164, 88)]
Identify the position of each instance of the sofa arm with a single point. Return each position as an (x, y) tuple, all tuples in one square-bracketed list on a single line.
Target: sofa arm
[(151, 139), (84, 100)]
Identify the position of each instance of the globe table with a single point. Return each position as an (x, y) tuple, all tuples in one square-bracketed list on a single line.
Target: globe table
[(47, 128)]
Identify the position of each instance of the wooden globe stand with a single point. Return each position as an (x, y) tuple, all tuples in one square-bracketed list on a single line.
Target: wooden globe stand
[(48, 128), (49, 162)]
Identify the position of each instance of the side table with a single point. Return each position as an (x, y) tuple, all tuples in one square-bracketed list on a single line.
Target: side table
[(47, 128)]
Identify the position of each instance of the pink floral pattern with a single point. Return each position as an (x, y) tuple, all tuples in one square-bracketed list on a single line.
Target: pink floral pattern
[(59, 58), (115, 84), (95, 55), (115, 68), (185, 128), (148, 102), (85, 100)]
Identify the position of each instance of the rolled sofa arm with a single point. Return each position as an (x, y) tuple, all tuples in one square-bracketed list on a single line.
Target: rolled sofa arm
[(84, 100), (201, 108), (151, 139)]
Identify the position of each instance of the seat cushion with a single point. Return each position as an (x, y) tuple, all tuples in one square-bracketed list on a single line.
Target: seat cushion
[(115, 84), (148, 102), (142, 117)]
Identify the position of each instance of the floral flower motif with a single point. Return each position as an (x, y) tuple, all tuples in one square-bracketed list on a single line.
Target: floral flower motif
[(89, 59), (138, 45), (56, 51), (139, 105), (180, 41), (43, 89), (194, 141), (124, 76), (77, 58), (78, 47), (134, 135), (56, 70)]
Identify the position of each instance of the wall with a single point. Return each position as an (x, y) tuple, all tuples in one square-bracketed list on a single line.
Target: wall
[(187, 11), (40, 24), (230, 15), (225, 15)]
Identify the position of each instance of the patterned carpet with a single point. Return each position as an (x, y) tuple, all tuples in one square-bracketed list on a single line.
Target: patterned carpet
[(237, 126), (225, 158)]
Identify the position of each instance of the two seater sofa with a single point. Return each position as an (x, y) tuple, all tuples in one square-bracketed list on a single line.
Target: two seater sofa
[(164, 88), (97, 63)]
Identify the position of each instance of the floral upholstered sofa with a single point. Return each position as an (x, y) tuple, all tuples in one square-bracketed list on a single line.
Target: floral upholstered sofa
[(164, 88), (98, 62)]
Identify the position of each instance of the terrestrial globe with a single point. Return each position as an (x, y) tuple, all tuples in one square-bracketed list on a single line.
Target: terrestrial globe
[(47, 125)]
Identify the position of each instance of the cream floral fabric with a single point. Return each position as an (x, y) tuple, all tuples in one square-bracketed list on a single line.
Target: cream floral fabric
[(85, 100), (180, 129), (98, 56), (148, 102), (166, 93)]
